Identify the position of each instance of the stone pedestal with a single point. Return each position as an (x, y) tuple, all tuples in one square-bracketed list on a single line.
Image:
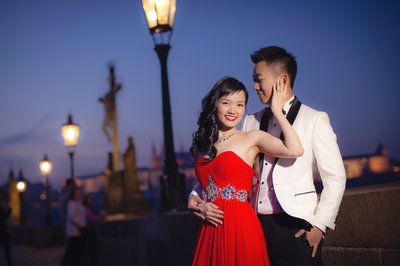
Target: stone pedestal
[(114, 192), (122, 191)]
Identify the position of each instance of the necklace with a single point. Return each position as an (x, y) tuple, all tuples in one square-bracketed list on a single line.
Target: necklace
[(221, 139)]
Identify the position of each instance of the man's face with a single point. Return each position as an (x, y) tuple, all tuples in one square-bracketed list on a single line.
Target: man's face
[(264, 79)]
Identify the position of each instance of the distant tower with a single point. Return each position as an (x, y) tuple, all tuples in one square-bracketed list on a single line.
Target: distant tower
[(381, 150), (14, 200), (155, 159)]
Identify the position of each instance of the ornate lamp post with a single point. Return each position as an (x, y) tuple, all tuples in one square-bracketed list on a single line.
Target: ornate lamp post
[(160, 19), (70, 134), (21, 187), (46, 167)]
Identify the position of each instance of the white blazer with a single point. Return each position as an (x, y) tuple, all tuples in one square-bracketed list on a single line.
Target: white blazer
[(293, 179)]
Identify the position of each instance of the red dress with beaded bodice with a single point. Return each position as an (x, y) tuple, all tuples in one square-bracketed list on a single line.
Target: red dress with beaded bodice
[(239, 241)]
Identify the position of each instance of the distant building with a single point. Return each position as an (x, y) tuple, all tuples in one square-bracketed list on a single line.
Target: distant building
[(149, 177), (91, 183), (376, 163), (369, 169), (357, 168), (361, 170)]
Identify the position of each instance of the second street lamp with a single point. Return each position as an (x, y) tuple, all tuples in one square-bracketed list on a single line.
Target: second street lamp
[(160, 19), (21, 187), (70, 134), (46, 167)]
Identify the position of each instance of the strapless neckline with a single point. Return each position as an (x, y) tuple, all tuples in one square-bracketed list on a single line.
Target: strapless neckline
[(235, 155)]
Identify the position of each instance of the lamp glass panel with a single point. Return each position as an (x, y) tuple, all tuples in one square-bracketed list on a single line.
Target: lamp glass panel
[(150, 12), (159, 13), (162, 9), (172, 10), (70, 134)]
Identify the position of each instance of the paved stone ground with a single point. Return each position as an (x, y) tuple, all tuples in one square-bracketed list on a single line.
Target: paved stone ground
[(31, 256)]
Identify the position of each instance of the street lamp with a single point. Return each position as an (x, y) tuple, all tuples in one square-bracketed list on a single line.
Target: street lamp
[(21, 188), (46, 167), (70, 134), (160, 19)]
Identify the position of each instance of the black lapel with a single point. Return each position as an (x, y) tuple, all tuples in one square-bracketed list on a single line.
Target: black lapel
[(265, 119), (294, 110), (291, 116), (264, 126)]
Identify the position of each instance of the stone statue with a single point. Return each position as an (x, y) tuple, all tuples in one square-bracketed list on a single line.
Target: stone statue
[(110, 118), (109, 105), (130, 175)]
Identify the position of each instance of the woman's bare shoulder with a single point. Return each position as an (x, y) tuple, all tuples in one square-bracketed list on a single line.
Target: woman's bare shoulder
[(253, 136), (255, 133)]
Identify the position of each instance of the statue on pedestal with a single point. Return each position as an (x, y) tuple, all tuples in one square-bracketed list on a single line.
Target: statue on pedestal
[(122, 190), (114, 187)]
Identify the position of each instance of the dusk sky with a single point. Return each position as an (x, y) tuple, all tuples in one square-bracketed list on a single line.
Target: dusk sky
[(54, 56)]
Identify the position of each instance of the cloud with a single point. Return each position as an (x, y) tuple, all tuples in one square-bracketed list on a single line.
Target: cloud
[(29, 135)]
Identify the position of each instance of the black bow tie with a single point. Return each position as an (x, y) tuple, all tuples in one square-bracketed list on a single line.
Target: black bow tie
[(269, 114)]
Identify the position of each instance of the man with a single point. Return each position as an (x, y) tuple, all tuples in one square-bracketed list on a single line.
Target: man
[(284, 196)]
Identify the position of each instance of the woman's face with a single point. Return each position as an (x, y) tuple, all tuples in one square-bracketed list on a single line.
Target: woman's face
[(230, 110)]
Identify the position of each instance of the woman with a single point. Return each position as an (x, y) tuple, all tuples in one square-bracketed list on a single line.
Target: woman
[(224, 159), (75, 224)]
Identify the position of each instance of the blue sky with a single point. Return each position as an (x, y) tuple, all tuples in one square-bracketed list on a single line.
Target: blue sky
[(54, 56)]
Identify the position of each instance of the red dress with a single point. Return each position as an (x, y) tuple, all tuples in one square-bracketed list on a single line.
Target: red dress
[(226, 181)]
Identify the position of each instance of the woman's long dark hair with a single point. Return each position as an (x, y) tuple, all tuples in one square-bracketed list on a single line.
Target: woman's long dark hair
[(207, 132)]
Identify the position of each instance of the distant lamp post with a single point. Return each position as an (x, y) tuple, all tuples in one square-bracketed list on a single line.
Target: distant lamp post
[(70, 134), (46, 167), (160, 19), (21, 188)]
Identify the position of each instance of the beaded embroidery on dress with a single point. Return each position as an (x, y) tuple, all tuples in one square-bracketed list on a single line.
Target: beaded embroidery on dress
[(229, 192)]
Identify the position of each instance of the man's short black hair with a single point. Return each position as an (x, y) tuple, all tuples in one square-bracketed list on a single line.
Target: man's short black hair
[(277, 55)]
